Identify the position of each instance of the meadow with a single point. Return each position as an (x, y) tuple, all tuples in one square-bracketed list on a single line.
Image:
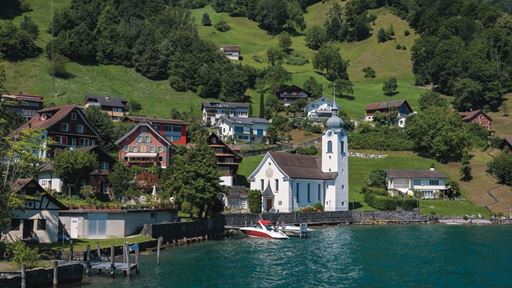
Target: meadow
[(361, 168), (157, 98)]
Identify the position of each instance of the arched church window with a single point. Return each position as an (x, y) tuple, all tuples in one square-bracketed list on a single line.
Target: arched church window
[(329, 146)]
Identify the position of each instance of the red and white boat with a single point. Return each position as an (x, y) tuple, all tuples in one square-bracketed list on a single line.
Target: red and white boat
[(264, 229)]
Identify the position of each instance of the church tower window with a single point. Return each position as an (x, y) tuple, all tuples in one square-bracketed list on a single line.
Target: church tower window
[(329, 146)]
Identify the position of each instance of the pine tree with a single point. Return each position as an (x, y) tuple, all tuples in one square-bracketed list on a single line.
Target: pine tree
[(206, 20), (262, 104), (465, 169)]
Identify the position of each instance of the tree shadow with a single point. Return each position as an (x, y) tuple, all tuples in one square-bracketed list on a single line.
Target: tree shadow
[(348, 97), (12, 8), (355, 205)]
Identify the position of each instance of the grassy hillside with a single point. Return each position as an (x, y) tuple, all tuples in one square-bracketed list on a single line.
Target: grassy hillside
[(360, 170), (31, 76), (384, 58)]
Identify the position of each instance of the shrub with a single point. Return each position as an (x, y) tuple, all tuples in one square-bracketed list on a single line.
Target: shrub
[(206, 20), (222, 26), (296, 59), (307, 150), (21, 254), (390, 203), (501, 168), (254, 197), (404, 48), (378, 138), (177, 84), (398, 46), (368, 72), (377, 179), (87, 192), (406, 33), (318, 206), (374, 190)]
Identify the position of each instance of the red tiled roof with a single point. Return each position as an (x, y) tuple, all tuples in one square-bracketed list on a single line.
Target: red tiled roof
[(468, 116), (387, 105), (155, 120), (60, 113), (301, 166), (402, 173), (231, 48)]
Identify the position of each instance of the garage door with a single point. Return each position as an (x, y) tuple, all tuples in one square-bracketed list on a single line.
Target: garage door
[(97, 226)]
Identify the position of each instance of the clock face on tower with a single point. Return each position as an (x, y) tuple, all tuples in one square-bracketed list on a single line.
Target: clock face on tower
[(329, 133)]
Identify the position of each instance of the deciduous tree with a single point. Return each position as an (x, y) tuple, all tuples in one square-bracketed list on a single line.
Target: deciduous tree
[(74, 166)]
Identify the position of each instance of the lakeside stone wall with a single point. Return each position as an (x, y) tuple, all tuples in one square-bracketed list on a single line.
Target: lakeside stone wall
[(336, 217), (41, 278), (212, 228)]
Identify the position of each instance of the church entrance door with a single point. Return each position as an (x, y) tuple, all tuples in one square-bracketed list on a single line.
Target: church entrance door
[(269, 204)]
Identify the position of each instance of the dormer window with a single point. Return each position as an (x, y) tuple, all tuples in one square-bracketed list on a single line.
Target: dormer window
[(64, 127), (73, 116)]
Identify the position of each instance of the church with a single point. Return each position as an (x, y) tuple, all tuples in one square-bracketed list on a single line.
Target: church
[(289, 182)]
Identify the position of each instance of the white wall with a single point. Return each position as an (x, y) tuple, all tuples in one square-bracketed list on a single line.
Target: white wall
[(226, 180), (49, 235), (282, 196), (49, 181)]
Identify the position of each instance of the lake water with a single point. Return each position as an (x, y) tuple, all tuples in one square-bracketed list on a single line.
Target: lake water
[(345, 256)]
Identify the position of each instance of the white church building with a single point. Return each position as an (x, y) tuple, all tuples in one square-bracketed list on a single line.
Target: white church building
[(289, 182)]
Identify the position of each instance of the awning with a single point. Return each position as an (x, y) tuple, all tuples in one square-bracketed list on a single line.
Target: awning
[(149, 155)]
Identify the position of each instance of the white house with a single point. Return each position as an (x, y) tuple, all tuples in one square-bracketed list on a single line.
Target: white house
[(48, 179), (39, 219), (426, 184), (232, 52), (399, 109), (105, 223), (319, 109), (249, 130), (212, 111), (289, 182)]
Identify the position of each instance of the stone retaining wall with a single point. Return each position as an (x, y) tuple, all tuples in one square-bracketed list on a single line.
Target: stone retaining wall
[(352, 217), (212, 228), (42, 278)]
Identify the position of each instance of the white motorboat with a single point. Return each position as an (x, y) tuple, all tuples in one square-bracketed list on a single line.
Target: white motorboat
[(264, 229), (292, 230)]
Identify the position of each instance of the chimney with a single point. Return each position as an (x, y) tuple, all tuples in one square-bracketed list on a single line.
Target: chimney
[(432, 167)]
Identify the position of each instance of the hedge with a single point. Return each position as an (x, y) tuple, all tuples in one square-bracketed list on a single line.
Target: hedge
[(390, 203), (381, 138)]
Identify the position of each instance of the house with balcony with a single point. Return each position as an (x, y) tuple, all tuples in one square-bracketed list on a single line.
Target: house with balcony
[(247, 130), (426, 184), (115, 107), (212, 111), (291, 94), (319, 109), (477, 117), (232, 52), (227, 159), (143, 146), (400, 110), (23, 104), (66, 127), (173, 129)]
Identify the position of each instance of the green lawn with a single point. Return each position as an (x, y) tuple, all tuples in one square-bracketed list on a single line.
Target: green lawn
[(360, 170), (452, 208), (81, 244)]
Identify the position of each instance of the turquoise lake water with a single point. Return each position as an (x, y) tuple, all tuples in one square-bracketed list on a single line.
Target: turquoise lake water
[(353, 256)]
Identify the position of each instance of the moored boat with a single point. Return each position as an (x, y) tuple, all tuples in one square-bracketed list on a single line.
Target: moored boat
[(292, 230), (264, 229)]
